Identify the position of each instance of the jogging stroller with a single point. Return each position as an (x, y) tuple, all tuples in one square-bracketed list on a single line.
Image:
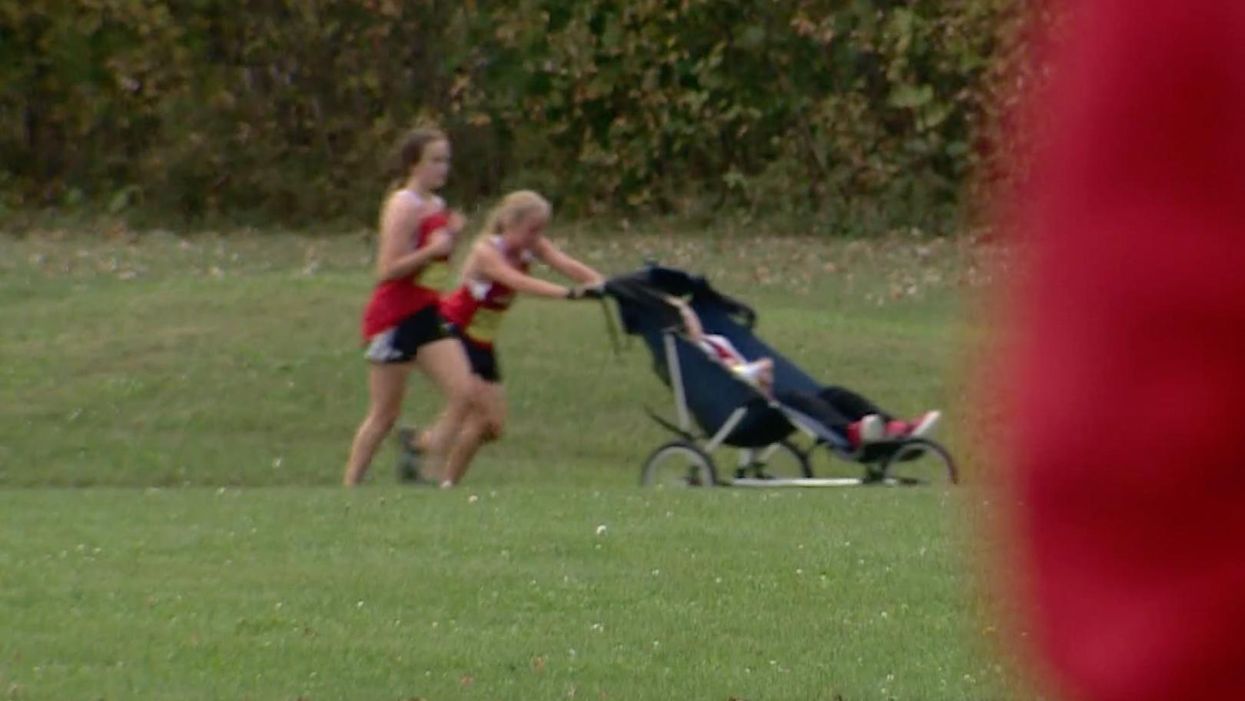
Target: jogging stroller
[(715, 408)]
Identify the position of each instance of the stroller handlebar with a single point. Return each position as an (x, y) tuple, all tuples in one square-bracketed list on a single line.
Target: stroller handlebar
[(644, 292)]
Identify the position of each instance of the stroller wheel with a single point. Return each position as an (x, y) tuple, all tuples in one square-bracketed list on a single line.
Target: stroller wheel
[(679, 464), (917, 461), (782, 460)]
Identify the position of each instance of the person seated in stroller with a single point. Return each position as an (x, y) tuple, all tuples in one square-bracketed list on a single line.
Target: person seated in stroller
[(837, 408)]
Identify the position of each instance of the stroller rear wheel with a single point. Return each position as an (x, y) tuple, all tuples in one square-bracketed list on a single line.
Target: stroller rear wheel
[(783, 460), (679, 464), (918, 461)]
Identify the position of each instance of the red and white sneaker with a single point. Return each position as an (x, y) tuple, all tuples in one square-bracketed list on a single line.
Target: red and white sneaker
[(924, 425), (867, 430), (898, 429)]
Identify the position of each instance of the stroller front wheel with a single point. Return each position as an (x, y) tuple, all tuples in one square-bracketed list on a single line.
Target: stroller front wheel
[(918, 461), (679, 464)]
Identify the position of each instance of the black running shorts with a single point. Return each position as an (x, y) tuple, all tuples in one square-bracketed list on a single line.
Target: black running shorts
[(399, 344), (483, 359)]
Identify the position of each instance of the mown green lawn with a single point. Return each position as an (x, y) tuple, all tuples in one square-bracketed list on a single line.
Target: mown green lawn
[(215, 360), (516, 592), (206, 389)]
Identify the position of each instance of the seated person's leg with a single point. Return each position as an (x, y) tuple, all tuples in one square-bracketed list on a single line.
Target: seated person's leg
[(858, 430), (851, 404), (856, 407), (823, 412)]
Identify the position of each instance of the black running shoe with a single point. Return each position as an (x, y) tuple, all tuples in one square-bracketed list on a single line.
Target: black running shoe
[(410, 458)]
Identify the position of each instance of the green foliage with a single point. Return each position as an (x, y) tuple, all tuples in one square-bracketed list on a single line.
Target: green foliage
[(866, 113)]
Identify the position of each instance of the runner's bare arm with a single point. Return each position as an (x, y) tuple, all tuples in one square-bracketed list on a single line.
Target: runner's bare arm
[(490, 263), (569, 266), (394, 260)]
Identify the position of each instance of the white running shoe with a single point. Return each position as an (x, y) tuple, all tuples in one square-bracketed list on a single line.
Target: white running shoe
[(872, 429), (924, 426)]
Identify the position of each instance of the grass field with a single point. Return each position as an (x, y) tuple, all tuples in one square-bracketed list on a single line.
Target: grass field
[(206, 388)]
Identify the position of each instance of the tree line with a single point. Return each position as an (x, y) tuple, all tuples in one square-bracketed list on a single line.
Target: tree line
[(868, 114)]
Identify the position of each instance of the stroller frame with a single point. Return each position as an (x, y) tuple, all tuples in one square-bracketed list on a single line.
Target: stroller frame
[(882, 462)]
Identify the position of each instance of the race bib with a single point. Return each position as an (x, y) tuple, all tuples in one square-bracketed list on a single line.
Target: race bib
[(485, 324), (439, 276)]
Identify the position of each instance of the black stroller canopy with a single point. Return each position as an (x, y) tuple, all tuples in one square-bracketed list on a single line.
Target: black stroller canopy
[(642, 304)]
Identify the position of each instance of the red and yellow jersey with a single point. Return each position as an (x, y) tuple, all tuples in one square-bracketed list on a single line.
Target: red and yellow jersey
[(437, 275), (394, 300), (478, 305)]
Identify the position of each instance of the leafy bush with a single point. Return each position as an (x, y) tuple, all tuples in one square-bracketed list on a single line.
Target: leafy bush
[(866, 115)]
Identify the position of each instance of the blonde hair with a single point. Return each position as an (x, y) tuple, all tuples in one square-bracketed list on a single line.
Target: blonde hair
[(514, 208)]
